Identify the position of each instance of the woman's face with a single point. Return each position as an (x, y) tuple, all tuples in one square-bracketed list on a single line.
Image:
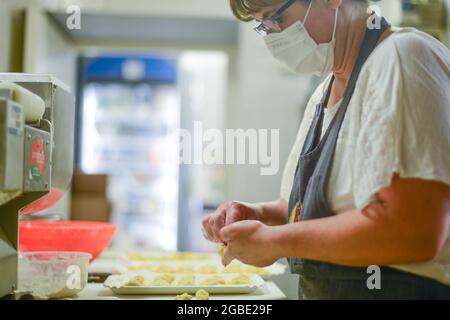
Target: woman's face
[(319, 23)]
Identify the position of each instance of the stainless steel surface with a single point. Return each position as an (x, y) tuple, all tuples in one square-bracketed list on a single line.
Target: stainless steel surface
[(60, 111), (36, 162), (11, 178), (11, 146)]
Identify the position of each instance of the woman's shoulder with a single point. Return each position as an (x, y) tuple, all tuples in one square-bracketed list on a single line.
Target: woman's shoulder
[(408, 64), (411, 40), (408, 49)]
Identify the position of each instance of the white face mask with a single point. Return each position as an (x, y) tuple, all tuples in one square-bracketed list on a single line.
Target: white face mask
[(295, 48)]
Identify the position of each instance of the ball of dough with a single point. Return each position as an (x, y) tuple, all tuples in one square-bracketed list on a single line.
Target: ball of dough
[(202, 295), (165, 279), (183, 296), (135, 281), (221, 249)]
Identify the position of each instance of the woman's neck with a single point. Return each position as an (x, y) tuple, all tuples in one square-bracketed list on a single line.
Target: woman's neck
[(349, 36)]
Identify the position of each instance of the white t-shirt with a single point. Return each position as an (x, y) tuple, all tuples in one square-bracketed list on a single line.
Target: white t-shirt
[(398, 121)]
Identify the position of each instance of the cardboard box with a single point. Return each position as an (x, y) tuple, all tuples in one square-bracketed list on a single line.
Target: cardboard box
[(87, 207), (89, 184)]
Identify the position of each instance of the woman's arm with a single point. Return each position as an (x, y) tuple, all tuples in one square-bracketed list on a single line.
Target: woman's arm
[(409, 224)]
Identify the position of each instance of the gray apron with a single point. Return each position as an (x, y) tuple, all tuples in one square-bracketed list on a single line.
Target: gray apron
[(319, 280)]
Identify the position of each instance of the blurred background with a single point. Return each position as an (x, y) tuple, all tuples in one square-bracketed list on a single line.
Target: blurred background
[(143, 69)]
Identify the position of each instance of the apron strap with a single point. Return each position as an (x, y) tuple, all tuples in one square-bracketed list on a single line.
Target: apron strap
[(367, 47)]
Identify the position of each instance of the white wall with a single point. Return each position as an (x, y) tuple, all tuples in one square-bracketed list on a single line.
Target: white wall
[(5, 36), (11, 34), (46, 49)]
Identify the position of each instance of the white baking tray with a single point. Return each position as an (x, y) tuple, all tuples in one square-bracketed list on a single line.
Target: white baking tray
[(117, 284)]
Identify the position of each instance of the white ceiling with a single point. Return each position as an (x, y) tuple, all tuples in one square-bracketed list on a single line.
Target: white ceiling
[(200, 30), (184, 8)]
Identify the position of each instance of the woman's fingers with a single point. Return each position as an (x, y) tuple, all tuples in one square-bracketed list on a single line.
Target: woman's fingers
[(213, 223), (226, 214), (234, 213), (218, 222), (206, 228)]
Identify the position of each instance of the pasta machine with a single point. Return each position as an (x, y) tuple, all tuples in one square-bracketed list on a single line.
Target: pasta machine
[(36, 157)]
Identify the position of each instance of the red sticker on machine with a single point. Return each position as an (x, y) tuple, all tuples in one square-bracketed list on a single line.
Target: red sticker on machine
[(37, 160)]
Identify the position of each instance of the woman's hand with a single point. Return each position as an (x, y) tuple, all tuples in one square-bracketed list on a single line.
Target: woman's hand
[(227, 214), (249, 242)]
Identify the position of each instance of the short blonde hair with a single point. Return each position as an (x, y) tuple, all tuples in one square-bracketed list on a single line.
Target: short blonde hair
[(245, 10)]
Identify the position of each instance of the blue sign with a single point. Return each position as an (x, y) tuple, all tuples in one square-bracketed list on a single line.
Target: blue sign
[(130, 68)]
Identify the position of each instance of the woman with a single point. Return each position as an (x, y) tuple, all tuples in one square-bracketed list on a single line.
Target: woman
[(368, 179)]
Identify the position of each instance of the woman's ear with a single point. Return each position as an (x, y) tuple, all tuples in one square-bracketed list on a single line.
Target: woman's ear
[(333, 4)]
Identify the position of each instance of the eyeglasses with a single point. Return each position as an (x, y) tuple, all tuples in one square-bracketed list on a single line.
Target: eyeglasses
[(271, 24)]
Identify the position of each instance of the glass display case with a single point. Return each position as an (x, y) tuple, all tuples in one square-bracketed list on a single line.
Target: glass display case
[(128, 124)]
